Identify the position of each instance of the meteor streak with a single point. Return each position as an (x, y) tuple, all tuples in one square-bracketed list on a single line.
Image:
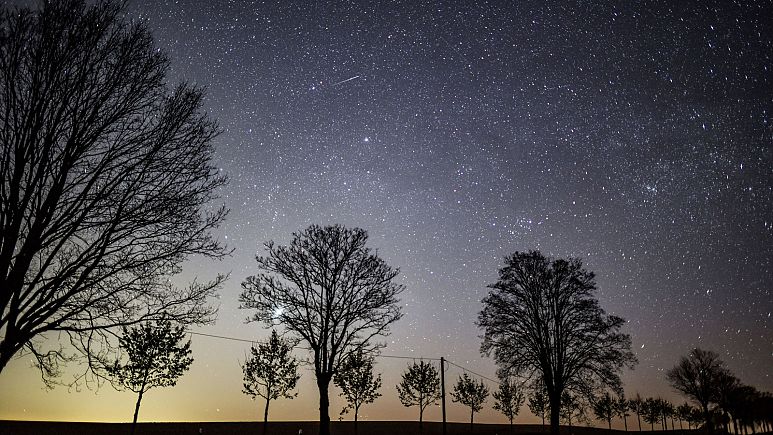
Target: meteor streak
[(344, 81)]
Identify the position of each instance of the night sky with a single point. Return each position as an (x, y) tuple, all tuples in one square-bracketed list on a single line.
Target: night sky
[(636, 135)]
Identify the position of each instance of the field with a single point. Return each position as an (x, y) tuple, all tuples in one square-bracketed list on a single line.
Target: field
[(287, 428)]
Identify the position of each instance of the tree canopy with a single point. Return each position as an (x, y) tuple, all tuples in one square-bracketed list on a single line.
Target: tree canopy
[(542, 320), (420, 386), (156, 357), (106, 179)]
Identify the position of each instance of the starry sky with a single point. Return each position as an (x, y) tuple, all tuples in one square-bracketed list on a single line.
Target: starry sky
[(634, 134)]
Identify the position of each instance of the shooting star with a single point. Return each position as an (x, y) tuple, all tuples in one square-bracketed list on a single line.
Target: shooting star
[(344, 81)]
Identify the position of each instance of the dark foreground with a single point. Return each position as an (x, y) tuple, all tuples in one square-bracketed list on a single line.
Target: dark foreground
[(288, 428)]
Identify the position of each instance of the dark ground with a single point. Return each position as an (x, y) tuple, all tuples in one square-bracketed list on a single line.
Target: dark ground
[(288, 428)]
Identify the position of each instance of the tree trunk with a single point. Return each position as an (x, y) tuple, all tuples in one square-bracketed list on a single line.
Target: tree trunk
[(707, 418), (356, 411), (472, 415), (137, 410), (323, 382), (609, 423), (625, 421), (421, 418), (555, 413), (265, 417), (638, 418)]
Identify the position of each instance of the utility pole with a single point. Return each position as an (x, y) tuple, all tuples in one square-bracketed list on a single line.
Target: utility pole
[(443, 390)]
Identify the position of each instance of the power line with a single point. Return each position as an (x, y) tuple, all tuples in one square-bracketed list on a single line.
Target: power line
[(243, 340)]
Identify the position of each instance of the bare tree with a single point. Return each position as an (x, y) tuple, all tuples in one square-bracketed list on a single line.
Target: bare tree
[(357, 383), (622, 406), (330, 291), (271, 372), (541, 320), (470, 393), (157, 357), (420, 386), (508, 399), (106, 176), (698, 377)]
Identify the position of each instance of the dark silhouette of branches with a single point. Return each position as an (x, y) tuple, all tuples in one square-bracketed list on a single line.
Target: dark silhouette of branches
[(698, 376), (420, 386), (106, 176), (538, 403), (542, 320), (622, 408), (470, 393), (637, 406), (605, 408), (508, 399), (357, 383), (330, 291), (156, 357), (270, 372)]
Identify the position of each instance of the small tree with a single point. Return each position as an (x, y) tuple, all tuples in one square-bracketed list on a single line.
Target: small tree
[(357, 383), (622, 406), (605, 408), (538, 404), (420, 387), (637, 405), (270, 372), (697, 376), (156, 357), (573, 408), (651, 411), (683, 413), (508, 399), (470, 393)]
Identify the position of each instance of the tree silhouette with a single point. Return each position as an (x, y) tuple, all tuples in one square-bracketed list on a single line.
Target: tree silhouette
[(651, 411), (471, 393), (329, 290), (697, 376), (541, 319), (637, 405), (622, 406), (508, 399), (156, 357), (420, 386), (605, 408), (538, 403), (683, 413), (106, 173), (270, 372), (357, 383), (573, 408)]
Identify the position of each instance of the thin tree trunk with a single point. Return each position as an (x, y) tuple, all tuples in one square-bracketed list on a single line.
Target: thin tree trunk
[(323, 382), (356, 411), (265, 417), (638, 418), (421, 418), (137, 410), (472, 416), (609, 423), (625, 421)]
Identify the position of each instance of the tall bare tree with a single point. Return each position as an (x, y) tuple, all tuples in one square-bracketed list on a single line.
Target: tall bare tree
[(420, 386), (698, 376), (270, 372), (470, 393), (541, 320), (358, 384), (106, 176), (328, 289), (156, 357)]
